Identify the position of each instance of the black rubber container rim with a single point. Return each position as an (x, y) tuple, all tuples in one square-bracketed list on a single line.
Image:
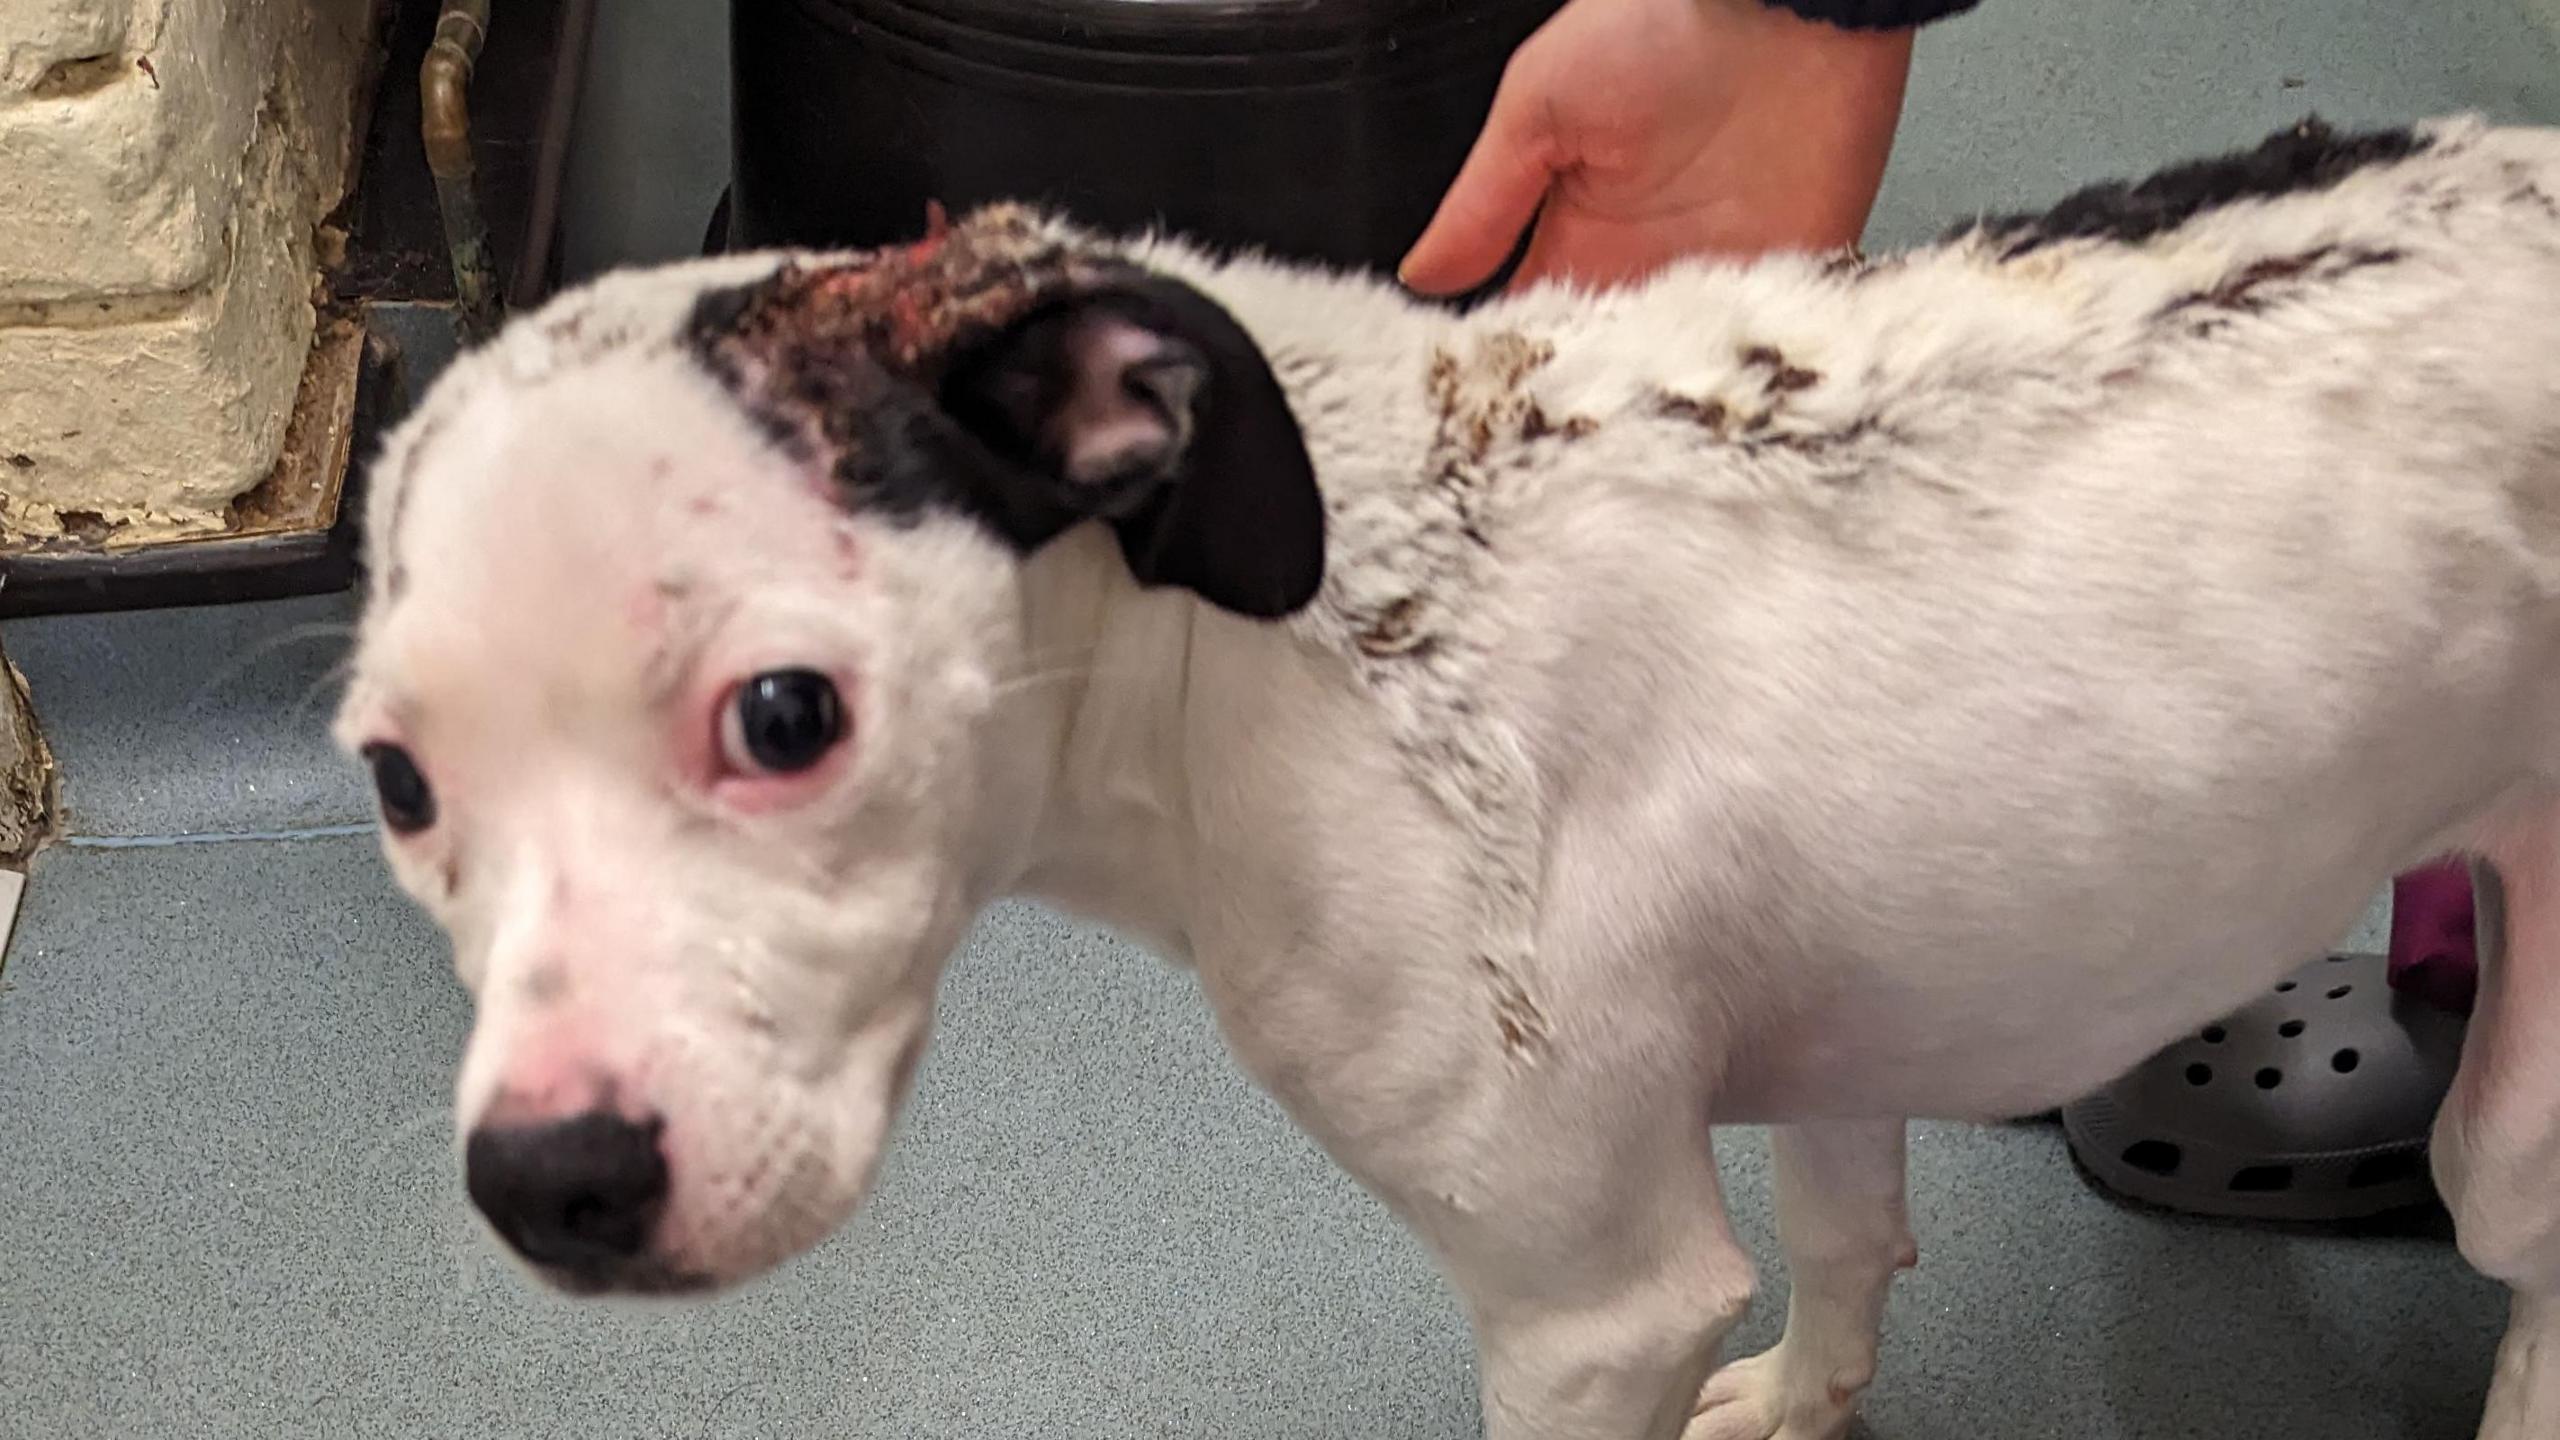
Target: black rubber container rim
[(1186, 44)]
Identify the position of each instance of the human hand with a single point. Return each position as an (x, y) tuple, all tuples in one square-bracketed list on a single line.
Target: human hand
[(1654, 129)]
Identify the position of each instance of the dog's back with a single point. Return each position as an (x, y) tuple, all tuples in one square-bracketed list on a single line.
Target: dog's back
[(2220, 560), (2203, 535)]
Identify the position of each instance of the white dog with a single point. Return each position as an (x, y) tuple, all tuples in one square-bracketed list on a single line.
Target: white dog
[(1808, 692)]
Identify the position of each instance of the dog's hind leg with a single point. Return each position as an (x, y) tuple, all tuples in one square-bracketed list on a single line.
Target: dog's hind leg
[(2497, 1142), (1841, 1220)]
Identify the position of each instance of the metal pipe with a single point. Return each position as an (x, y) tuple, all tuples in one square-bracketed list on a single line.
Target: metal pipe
[(444, 124)]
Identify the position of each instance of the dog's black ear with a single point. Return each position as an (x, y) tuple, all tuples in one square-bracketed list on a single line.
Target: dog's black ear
[(1143, 403)]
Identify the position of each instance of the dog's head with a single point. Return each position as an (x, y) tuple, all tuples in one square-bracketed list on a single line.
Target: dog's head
[(692, 603)]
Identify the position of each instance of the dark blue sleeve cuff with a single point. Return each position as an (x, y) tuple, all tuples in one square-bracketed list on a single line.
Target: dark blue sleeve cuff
[(1875, 14)]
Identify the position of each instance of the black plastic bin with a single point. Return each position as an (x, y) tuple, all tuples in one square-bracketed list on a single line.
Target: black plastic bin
[(1320, 130)]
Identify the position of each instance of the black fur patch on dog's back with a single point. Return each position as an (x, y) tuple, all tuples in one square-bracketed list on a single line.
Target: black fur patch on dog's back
[(2309, 156)]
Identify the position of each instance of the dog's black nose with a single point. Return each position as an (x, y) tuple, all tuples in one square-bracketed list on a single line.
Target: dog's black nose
[(580, 1195)]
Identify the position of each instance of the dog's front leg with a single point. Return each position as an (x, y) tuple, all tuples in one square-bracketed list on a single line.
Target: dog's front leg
[(1562, 1176), (1841, 1218), (1575, 1211), (1599, 1305), (1583, 1230)]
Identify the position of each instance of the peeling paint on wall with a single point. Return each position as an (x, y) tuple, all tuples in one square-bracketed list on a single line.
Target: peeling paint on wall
[(162, 171)]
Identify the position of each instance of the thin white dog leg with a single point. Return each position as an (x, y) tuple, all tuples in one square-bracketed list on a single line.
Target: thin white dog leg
[(2524, 1395), (2497, 1142), (1842, 1221), (1598, 1274), (1604, 1328)]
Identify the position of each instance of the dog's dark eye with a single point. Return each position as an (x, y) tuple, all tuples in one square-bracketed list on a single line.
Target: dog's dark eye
[(408, 806), (786, 721)]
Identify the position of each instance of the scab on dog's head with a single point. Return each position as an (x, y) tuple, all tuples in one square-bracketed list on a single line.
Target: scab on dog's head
[(682, 675), (1034, 385)]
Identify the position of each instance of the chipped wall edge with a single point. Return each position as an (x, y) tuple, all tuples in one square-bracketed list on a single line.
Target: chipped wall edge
[(29, 787)]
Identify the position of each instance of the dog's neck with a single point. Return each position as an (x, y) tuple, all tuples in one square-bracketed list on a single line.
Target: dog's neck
[(1106, 703), (1099, 808)]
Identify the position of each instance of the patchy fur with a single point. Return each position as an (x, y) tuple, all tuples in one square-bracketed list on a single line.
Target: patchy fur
[(1819, 691)]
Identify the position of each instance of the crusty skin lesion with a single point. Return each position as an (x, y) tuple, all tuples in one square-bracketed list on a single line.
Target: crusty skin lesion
[(903, 308)]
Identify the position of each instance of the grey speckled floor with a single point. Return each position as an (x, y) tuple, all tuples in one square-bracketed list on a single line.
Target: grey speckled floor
[(227, 1202)]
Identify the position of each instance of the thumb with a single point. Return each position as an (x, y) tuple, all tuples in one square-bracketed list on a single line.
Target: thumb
[(1497, 191)]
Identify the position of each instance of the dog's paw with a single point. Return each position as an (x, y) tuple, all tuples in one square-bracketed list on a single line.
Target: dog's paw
[(1754, 1400)]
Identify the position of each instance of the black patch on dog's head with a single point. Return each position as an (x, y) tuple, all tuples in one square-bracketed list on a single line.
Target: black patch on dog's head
[(1033, 391), (719, 311), (2309, 156)]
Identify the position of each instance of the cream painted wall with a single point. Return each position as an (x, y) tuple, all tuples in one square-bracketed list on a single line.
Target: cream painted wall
[(162, 167)]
